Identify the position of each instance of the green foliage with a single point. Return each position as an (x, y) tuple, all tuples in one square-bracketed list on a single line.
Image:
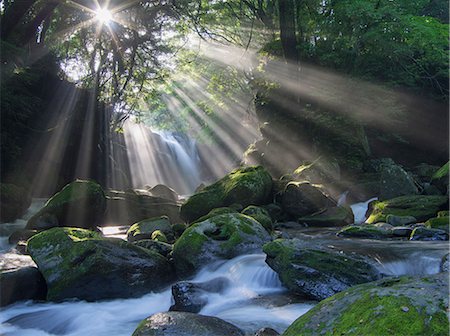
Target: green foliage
[(443, 171)]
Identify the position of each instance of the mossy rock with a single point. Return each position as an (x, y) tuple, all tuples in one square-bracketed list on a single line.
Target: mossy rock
[(178, 229), (78, 263), (244, 186), (364, 231), (159, 236), (404, 306), (259, 214), (183, 323), (335, 216), (14, 201), (419, 206), (441, 223), (221, 237), (443, 213), (428, 234), (156, 246), (79, 204), (216, 212), (316, 273), (400, 220), (145, 228)]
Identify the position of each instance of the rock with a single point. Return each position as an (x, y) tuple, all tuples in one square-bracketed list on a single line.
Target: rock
[(162, 191), (216, 212), (259, 214), (129, 207), (445, 263), (145, 228), (156, 246), (79, 204), (395, 181), (319, 172), (300, 199), (440, 223), (20, 284), (378, 308), (178, 229), (402, 231), (21, 235), (266, 332), (443, 213), (365, 231), (14, 201), (221, 237), (423, 233), (244, 186), (316, 273), (190, 297), (400, 220), (274, 210), (159, 236), (418, 206), (335, 216), (185, 324), (78, 263)]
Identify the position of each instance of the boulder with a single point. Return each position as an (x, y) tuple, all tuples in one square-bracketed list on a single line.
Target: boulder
[(244, 186), (185, 324), (320, 171), (221, 237), (128, 207), (24, 283), (14, 201), (420, 207), (190, 297), (259, 214), (395, 181), (393, 306), (423, 233), (162, 191), (400, 220), (145, 228), (78, 263), (300, 199), (365, 231), (156, 246), (402, 231), (216, 212), (266, 332), (335, 216), (440, 223), (79, 204), (317, 273)]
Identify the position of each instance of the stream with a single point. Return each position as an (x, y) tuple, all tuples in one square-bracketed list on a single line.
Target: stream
[(253, 296)]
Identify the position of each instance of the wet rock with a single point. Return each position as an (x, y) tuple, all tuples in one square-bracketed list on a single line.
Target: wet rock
[(79, 204), (365, 231), (317, 273), (423, 233), (266, 332), (156, 246), (244, 186), (336, 216), (185, 324), (216, 212), (221, 237), (445, 263), (391, 306), (191, 297), (441, 223), (178, 229), (402, 231), (14, 201), (259, 214), (300, 199), (145, 229), (400, 220), (21, 284), (418, 206), (78, 263)]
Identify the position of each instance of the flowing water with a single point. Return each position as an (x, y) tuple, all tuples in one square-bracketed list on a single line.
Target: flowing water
[(253, 296)]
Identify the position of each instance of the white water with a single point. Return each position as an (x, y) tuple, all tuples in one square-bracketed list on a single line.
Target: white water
[(360, 209), (249, 279)]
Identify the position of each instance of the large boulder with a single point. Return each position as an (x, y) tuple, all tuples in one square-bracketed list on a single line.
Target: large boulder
[(244, 186), (14, 201), (163, 191), (403, 306), (79, 204), (316, 273), (395, 181), (145, 228), (221, 237), (78, 263), (132, 206), (420, 207), (185, 324), (300, 199), (25, 283)]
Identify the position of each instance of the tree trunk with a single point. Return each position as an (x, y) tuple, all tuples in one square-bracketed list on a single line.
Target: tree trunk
[(287, 30)]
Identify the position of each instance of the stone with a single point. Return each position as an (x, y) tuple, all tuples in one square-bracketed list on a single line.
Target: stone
[(79, 204), (162, 191), (21, 235), (244, 186), (184, 324), (78, 263), (14, 201), (266, 332), (259, 214), (156, 246), (400, 220), (145, 229), (335, 216), (402, 231), (221, 237), (317, 273), (379, 308), (216, 212), (395, 181), (365, 231), (441, 223), (445, 263), (424, 233)]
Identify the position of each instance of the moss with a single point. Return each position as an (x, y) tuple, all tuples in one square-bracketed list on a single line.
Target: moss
[(215, 212), (260, 214), (443, 213), (438, 223), (145, 228), (159, 236), (364, 231), (419, 206)]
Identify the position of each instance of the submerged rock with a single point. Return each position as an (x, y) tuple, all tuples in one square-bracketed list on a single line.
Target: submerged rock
[(244, 186), (418, 206), (316, 273), (335, 216), (221, 237), (14, 201), (78, 263), (79, 204), (145, 228), (402, 306), (185, 324)]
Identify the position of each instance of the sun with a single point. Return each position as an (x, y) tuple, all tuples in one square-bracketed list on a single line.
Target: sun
[(103, 15)]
